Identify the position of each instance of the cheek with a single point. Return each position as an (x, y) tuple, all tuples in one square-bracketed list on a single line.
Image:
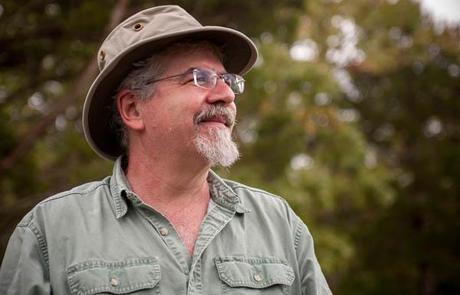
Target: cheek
[(178, 108), (176, 118)]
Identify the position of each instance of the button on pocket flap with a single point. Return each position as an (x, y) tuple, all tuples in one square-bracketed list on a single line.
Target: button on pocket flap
[(116, 277), (254, 272)]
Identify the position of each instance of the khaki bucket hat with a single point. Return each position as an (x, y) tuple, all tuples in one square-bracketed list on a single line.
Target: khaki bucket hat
[(137, 38)]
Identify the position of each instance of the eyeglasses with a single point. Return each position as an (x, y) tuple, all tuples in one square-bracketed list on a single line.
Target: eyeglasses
[(207, 79)]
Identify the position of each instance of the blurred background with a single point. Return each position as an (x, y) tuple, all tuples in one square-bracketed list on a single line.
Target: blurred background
[(352, 114)]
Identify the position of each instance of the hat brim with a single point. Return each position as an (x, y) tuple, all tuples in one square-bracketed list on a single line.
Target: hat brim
[(239, 51)]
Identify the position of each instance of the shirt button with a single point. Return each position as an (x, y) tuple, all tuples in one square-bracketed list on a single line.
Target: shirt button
[(257, 278), (114, 282), (164, 231)]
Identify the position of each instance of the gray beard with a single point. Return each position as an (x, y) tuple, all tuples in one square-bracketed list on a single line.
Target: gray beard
[(217, 146)]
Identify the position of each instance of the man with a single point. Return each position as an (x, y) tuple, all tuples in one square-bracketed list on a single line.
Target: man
[(164, 223)]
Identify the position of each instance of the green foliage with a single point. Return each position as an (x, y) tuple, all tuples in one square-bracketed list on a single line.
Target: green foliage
[(365, 148), (17, 182)]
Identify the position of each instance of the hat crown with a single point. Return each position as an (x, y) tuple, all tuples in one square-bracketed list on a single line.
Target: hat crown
[(146, 24)]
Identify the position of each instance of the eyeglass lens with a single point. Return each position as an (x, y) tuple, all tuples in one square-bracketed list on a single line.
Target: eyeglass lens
[(208, 79)]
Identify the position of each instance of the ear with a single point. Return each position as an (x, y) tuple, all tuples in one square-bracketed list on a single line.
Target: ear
[(129, 106)]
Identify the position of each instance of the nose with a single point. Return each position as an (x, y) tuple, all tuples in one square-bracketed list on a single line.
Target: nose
[(221, 93)]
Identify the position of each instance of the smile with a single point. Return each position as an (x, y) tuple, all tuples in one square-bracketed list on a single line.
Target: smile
[(217, 120)]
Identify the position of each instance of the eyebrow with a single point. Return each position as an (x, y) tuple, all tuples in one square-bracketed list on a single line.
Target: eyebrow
[(209, 69)]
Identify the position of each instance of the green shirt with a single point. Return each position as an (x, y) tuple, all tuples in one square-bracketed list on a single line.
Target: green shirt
[(101, 238)]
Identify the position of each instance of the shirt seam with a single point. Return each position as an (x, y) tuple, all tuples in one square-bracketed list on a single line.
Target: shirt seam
[(41, 241), (255, 190), (69, 193), (298, 233)]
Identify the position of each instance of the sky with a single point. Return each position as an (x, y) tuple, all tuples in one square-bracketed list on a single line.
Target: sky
[(444, 12)]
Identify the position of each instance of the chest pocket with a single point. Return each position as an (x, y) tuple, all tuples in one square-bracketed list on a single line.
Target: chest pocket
[(113, 277), (254, 275)]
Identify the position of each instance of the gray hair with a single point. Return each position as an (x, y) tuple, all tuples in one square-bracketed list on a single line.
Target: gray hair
[(136, 82), (146, 70)]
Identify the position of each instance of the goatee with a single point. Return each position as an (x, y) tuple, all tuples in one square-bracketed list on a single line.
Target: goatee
[(216, 143)]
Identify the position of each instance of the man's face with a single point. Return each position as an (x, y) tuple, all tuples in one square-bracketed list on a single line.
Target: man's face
[(189, 120)]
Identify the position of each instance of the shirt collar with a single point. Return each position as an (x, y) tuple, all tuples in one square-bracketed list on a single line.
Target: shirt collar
[(221, 193), (224, 195), (119, 187)]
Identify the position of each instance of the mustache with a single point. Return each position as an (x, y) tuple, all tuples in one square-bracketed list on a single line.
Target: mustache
[(212, 111)]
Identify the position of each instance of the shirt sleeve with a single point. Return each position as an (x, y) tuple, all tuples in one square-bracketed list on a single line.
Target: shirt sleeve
[(24, 268), (311, 276)]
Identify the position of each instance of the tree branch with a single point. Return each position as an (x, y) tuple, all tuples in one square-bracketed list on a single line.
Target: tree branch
[(78, 90)]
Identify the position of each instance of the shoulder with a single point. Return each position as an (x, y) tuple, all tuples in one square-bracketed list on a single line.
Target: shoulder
[(253, 192), (259, 200), (67, 202), (81, 191)]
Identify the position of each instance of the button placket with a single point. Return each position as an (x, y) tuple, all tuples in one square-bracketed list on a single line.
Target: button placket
[(165, 231)]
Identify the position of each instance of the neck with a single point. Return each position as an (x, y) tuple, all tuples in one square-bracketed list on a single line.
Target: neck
[(177, 188), (167, 179)]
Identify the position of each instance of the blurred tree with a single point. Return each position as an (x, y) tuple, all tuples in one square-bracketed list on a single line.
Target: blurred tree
[(406, 93), (350, 113)]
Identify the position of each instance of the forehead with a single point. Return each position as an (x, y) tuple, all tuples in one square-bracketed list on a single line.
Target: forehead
[(183, 58)]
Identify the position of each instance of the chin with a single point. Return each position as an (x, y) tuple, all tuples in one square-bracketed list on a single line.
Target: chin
[(217, 147)]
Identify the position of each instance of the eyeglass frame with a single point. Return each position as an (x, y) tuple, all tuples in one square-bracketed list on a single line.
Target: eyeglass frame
[(194, 71)]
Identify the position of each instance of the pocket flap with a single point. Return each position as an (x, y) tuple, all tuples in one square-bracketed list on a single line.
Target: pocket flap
[(254, 272), (116, 277)]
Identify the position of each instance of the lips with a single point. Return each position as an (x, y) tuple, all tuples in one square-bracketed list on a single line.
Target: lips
[(217, 119)]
